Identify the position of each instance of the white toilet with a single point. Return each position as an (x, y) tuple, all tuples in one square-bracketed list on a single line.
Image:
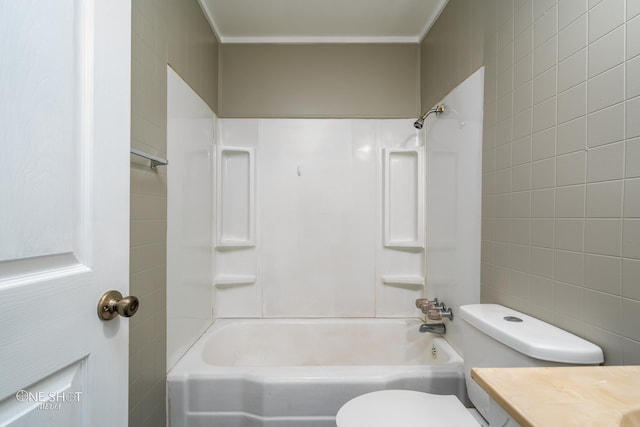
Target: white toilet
[(494, 336)]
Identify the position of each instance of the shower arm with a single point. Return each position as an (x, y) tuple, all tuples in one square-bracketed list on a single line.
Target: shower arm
[(420, 122)]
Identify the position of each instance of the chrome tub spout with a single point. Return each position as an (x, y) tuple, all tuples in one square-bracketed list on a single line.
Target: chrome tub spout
[(434, 328)]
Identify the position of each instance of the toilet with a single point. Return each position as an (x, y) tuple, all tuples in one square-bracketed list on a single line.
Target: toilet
[(493, 336)]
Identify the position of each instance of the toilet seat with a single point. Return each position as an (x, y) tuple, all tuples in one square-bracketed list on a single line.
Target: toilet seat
[(404, 408)]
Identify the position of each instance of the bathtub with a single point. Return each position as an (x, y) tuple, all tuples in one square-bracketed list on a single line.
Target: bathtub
[(299, 372)]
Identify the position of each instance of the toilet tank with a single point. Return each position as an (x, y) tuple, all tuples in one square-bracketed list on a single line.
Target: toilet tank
[(497, 336)]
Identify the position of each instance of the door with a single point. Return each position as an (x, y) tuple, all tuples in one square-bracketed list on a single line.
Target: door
[(64, 210)]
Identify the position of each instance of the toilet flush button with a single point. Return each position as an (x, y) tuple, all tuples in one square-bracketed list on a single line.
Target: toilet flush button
[(512, 319)]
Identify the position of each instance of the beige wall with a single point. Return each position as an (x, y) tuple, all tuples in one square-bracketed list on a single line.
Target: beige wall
[(561, 162), (353, 80), (452, 50), (192, 53)]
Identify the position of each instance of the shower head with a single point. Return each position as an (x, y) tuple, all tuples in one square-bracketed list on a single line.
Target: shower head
[(420, 122)]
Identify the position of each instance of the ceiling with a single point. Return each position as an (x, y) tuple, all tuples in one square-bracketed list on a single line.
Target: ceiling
[(321, 21)]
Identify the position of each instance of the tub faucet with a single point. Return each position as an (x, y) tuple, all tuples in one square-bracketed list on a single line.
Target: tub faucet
[(434, 328)]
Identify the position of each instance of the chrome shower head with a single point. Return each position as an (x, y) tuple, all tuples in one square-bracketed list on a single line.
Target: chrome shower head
[(418, 124)]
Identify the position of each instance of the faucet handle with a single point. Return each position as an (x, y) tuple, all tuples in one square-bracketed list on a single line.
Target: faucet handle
[(434, 314), (420, 302), (438, 304)]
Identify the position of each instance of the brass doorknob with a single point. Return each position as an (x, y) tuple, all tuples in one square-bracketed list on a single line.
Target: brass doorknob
[(112, 304)]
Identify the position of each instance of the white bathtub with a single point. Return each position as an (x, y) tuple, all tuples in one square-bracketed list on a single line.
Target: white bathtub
[(299, 372)]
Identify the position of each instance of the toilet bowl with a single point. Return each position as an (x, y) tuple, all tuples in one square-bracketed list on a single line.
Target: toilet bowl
[(496, 336), (404, 408)]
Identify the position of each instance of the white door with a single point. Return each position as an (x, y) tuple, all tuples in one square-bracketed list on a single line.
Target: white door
[(64, 210)]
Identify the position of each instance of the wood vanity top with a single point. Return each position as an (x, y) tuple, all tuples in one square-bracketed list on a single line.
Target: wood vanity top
[(598, 396)]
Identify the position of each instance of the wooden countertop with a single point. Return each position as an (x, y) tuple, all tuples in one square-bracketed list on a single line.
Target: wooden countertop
[(598, 396)]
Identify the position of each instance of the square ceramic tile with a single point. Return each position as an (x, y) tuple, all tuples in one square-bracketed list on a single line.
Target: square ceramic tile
[(630, 349), (544, 115), (603, 18), (606, 89), (505, 30), (633, 37), (489, 160), (523, 71), (631, 238), (632, 158), (567, 266), (523, 17), (570, 201), (505, 58), (541, 292), (519, 284), (603, 310), (542, 232), (521, 151), (567, 299), (543, 173), (609, 342), (572, 103), (572, 38), (633, 77), (544, 144), (606, 126), (523, 44), (570, 168), (543, 203), (504, 107), (521, 204), (633, 8), (633, 115), (569, 234), (603, 236), (545, 26), (545, 56), (542, 262), (569, 10), (604, 200), (503, 131), (605, 163), (572, 136), (503, 181), (502, 205), (544, 85), (541, 7), (572, 70), (632, 199), (520, 231), (503, 254), (606, 52), (523, 97), (522, 124), (521, 178), (603, 273), (505, 82), (631, 318), (630, 275), (503, 156)]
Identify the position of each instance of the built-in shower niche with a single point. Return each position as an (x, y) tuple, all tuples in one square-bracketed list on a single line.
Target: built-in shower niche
[(236, 197), (403, 198), (235, 279)]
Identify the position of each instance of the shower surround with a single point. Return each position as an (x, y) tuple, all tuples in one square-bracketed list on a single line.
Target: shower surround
[(301, 219)]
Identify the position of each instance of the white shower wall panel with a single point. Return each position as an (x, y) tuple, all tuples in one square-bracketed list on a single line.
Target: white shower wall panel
[(318, 205), (319, 248)]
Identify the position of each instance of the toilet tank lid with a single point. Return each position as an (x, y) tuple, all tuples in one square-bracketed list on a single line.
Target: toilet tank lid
[(530, 336)]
